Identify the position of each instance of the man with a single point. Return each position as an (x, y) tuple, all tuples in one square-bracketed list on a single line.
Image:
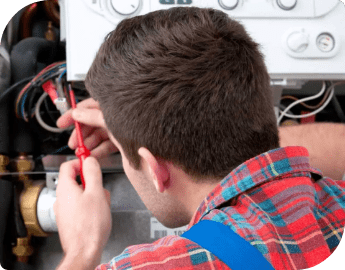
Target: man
[(185, 98)]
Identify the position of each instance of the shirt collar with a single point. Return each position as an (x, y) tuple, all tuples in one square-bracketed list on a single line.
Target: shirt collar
[(268, 166)]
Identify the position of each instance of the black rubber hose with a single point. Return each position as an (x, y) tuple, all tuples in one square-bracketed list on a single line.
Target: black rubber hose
[(5, 78), (22, 266), (19, 223), (4, 128), (6, 195), (30, 55)]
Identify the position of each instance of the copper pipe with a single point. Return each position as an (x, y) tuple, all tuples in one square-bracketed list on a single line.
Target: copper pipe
[(26, 20), (52, 9)]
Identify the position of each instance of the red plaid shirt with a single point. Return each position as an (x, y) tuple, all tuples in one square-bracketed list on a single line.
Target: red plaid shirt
[(292, 214)]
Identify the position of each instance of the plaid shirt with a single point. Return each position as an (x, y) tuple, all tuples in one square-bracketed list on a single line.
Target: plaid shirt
[(292, 214)]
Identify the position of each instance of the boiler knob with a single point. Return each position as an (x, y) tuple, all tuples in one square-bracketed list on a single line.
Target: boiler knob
[(287, 4), (298, 41), (228, 4), (126, 7)]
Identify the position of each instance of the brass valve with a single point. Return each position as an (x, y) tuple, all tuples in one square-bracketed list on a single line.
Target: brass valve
[(4, 161)]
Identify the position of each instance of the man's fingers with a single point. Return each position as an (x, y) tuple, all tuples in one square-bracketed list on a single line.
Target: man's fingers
[(104, 149), (91, 117), (95, 138), (88, 103), (67, 176), (92, 175), (73, 141), (66, 119), (107, 196)]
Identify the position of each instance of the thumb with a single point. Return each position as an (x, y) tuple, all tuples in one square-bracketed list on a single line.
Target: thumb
[(90, 117), (92, 175)]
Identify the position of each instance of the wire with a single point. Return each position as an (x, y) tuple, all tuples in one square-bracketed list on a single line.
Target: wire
[(61, 75), (311, 107), (22, 99), (338, 109), (316, 111), (50, 71), (13, 87), (52, 153), (46, 105), (39, 118), (284, 113)]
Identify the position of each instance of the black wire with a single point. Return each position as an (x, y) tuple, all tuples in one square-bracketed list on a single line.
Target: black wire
[(38, 83), (338, 109), (31, 100), (46, 105), (13, 87)]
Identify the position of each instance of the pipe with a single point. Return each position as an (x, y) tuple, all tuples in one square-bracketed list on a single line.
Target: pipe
[(26, 20), (52, 9), (30, 55), (5, 77), (6, 194)]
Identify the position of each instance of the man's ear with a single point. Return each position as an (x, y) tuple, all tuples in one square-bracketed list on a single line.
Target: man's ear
[(156, 169)]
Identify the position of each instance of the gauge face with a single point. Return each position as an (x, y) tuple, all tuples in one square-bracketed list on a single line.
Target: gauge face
[(325, 42), (228, 4), (126, 7), (287, 4)]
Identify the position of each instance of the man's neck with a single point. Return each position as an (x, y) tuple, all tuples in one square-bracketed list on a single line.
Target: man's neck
[(191, 191)]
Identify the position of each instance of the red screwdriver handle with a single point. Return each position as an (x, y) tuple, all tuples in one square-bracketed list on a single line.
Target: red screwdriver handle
[(82, 152)]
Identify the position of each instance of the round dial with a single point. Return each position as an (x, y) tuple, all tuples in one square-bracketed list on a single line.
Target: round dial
[(325, 42), (287, 4), (298, 41), (228, 4), (125, 7)]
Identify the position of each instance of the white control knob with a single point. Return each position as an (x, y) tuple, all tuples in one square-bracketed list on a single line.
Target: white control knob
[(125, 7), (228, 4), (298, 41), (287, 4)]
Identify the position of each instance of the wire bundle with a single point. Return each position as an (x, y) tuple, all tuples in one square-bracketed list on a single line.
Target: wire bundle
[(329, 94), (52, 71)]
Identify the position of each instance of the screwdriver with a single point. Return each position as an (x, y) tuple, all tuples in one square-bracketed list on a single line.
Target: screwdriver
[(82, 152)]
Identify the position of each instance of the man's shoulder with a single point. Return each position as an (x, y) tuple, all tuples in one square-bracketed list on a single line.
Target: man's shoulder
[(166, 253)]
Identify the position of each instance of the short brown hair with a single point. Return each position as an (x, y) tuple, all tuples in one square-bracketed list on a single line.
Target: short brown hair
[(188, 84)]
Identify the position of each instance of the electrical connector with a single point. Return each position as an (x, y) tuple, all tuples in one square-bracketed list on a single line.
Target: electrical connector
[(61, 104)]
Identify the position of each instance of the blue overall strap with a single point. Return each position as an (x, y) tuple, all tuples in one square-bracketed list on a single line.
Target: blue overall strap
[(228, 246)]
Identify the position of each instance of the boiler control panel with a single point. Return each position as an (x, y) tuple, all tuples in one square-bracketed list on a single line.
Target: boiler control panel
[(301, 39)]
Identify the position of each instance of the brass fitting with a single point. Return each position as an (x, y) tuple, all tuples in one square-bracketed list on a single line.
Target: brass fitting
[(28, 207), (4, 161), (23, 164), (23, 249)]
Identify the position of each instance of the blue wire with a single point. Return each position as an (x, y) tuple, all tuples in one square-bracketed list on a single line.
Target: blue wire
[(44, 75), (59, 150), (23, 103), (63, 73), (53, 153)]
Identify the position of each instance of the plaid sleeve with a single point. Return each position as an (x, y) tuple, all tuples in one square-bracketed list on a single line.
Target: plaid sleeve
[(171, 252)]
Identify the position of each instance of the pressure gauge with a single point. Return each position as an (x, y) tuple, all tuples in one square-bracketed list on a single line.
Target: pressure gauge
[(287, 4), (228, 4), (126, 7), (325, 42)]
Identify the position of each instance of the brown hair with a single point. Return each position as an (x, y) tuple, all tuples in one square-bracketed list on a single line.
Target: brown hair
[(188, 84)]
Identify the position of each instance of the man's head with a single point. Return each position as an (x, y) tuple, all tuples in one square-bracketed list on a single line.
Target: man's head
[(189, 85)]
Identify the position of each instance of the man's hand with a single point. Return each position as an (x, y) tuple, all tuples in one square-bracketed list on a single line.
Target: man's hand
[(325, 143), (95, 133), (83, 217)]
